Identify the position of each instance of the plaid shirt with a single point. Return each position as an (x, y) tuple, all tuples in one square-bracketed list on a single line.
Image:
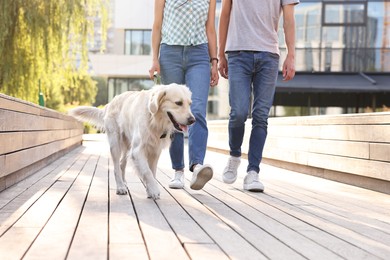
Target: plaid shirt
[(184, 22)]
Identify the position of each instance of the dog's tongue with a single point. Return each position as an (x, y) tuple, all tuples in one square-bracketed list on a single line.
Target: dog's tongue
[(184, 128)]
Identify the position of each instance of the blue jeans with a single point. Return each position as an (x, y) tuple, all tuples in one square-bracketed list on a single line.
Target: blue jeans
[(251, 71), (188, 65)]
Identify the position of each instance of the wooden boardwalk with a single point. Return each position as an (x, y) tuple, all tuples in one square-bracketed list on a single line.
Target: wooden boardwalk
[(69, 210)]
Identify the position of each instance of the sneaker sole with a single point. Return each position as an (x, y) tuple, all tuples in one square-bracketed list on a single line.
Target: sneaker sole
[(176, 186), (203, 177), (253, 188)]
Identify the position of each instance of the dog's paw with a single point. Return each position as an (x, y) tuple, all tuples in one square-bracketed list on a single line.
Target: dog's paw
[(121, 191), (154, 196), (153, 193)]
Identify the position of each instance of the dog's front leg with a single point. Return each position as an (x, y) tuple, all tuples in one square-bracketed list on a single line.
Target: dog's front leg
[(153, 161), (141, 163)]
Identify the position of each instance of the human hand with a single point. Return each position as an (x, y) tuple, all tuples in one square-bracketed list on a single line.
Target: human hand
[(288, 69), (223, 67), (154, 69), (214, 77)]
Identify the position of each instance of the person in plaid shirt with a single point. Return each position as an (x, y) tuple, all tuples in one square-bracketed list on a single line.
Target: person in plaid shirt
[(184, 47)]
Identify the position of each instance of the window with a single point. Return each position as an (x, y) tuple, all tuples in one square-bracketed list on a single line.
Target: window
[(212, 107), (137, 42), (342, 13), (117, 86)]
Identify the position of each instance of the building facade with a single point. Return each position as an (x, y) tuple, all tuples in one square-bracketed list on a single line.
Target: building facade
[(342, 57)]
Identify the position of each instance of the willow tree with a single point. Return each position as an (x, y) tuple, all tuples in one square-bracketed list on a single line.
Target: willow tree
[(45, 43)]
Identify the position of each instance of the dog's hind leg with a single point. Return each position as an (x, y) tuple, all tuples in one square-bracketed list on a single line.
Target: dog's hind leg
[(116, 154), (123, 164), (125, 147)]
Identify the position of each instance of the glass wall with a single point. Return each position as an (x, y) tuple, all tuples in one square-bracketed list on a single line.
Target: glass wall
[(117, 86), (138, 42), (341, 36)]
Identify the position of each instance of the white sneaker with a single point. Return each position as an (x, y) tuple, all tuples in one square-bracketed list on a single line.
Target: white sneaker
[(230, 172), (202, 174), (178, 181), (252, 183)]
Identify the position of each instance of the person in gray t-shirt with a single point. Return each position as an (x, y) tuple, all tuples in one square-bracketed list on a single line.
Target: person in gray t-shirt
[(248, 36)]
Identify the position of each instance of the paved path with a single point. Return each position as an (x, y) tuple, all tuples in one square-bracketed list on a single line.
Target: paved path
[(69, 210)]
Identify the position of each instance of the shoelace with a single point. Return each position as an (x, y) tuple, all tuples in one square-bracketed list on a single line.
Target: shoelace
[(178, 175), (233, 165)]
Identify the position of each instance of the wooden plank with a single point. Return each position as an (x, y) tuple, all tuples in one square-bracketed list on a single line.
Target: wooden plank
[(31, 139), (344, 200), (360, 243), (125, 251), (255, 236), (221, 233), (50, 172), (3, 184), (63, 223), (10, 142), (346, 119), (367, 222), (285, 211), (22, 196), (362, 167), (309, 216), (18, 160), (274, 239), (91, 237), (368, 168), (31, 222), (2, 168), (160, 241), (125, 235), (15, 242), (16, 121), (380, 152), (26, 172), (316, 233), (15, 141), (10, 103), (186, 229), (367, 133), (205, 251), (362, 246), (342, 119), (18, 105), (331, 147), (276, 245), (297, 157)]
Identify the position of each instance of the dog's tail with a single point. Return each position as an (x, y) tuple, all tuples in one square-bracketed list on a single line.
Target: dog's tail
[(92, 115)]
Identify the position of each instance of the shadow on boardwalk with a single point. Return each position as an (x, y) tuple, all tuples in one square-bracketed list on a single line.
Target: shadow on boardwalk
[(70, 210)]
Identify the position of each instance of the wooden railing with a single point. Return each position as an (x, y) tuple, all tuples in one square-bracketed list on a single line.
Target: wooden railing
[(353, 148), (31, 137)]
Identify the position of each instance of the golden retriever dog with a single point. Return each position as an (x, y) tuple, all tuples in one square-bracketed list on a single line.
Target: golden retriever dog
[(138, 125)]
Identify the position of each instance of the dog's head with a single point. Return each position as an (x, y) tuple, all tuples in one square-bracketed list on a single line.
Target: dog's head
[(174, 102)]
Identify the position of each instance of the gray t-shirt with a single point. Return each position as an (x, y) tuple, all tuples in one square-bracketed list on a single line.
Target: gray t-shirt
[(254, 25)]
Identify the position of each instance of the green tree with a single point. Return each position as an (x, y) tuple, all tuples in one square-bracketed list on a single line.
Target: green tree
[(47, 41), (102, 93)]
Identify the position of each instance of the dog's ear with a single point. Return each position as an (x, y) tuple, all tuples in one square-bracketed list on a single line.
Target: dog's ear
[(156, 100)]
